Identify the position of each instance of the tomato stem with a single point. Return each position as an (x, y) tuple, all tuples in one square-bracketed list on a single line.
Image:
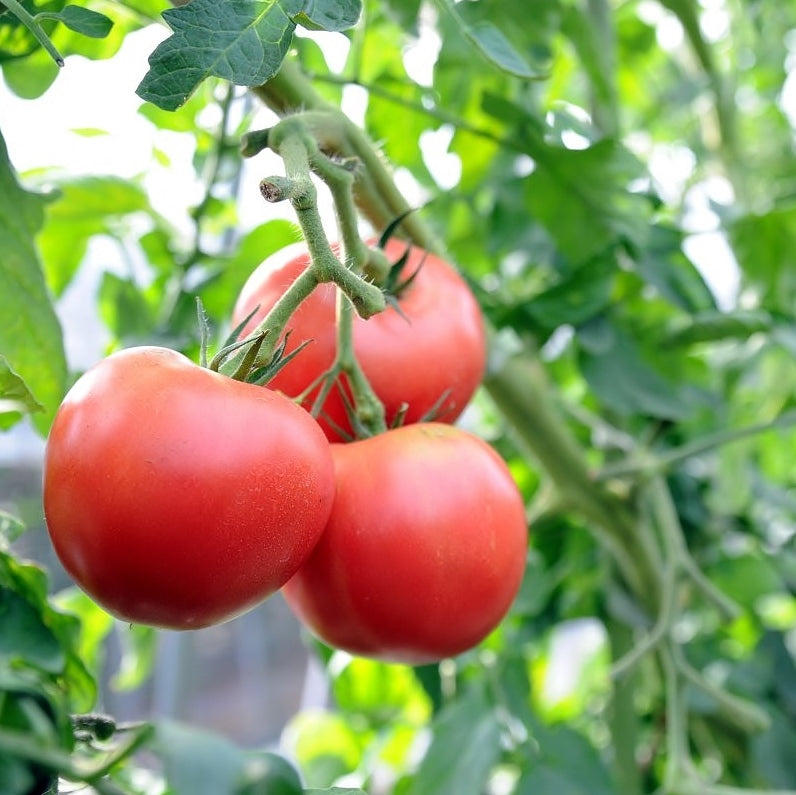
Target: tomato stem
[(301, 156)]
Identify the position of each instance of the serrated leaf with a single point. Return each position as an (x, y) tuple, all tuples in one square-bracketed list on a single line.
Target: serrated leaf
[(249, 42), (82, 20), (332, 15), (30, 335)]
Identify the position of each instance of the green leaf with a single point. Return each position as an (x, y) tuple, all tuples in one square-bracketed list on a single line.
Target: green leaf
[(250, 40), (15, 397), (764, 246), (623, 381), (197, 762), (325, 745), (30, 335), (220, 291), (94, 626), (747, 578), (564, 763), (28, 582), (10, 528), (663, 265), (582, 197), (464, 748), (84, 207), (25, 638), (30, 77), (576, 299), (123, 308), (379, 692), (82, 20), (332, 15), (493, 45)]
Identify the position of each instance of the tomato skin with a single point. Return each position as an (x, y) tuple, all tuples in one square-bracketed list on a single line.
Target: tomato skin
[(439, 343), (177, 497), (424, 550)]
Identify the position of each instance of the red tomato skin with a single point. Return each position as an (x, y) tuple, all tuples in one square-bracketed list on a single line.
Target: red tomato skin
[(177, 497), (437, 344), (424, 551)]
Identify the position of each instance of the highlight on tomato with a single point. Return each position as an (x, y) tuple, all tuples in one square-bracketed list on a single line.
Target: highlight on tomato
[(424, 550), (178, 497), (426, 355)]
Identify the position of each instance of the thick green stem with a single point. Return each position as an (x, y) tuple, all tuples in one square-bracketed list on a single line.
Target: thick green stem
[(521, 391), (623, 716)]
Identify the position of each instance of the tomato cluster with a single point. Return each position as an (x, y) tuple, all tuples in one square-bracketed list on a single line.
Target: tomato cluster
[(178, 497), (426, 352)]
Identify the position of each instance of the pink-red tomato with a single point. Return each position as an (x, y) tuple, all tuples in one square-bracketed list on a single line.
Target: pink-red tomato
[(177, 497), (429, 355), (424, 550)]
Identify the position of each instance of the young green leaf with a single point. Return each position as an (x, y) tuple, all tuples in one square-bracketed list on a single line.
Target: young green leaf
[(493, 45), (249, 42), (81, 20), (333, 15)]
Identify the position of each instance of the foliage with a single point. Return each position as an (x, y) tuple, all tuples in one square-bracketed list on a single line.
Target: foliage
[(616, 182)]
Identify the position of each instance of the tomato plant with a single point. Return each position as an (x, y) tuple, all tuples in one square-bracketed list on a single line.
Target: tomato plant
[(427, 355), (178, 497), (424, 550)]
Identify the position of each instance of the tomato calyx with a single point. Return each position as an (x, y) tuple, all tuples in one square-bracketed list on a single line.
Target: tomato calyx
[(391, 283), (240, 359)]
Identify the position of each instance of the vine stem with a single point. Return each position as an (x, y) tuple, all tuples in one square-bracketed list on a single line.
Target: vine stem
[(676, 547), (299, 151), (32, 24), (663, 461), (21, 745)]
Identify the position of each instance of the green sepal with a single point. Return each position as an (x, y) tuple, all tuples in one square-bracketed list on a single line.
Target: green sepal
[(262, 375), (389, 230)]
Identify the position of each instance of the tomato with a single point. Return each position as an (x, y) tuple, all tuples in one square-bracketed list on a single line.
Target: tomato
[(430, 354), (424, 550), (177, 497)]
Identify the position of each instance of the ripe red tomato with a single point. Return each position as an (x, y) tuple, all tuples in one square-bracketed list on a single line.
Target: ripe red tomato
[(177, 497), (424, 550), (437, 346)]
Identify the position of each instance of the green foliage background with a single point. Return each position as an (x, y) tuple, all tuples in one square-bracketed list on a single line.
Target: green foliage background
[(596, 143)]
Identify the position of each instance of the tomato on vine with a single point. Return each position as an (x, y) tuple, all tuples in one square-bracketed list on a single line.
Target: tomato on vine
[(426, 356), (179, 497), (424, 550)]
